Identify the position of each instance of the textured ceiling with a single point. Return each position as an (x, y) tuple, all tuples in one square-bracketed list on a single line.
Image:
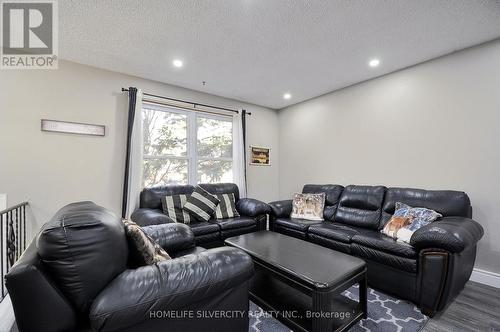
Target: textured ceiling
[(256, 50)]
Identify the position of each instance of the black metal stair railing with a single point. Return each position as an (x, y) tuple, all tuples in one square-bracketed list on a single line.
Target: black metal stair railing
[(12, 239)]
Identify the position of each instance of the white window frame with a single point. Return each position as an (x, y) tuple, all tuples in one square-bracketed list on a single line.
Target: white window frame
[(192, 138)]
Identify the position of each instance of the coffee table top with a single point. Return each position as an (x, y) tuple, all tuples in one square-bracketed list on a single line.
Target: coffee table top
[(316, 265)]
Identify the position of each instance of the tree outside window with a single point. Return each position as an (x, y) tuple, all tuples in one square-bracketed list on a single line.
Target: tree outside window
[(186, 147)]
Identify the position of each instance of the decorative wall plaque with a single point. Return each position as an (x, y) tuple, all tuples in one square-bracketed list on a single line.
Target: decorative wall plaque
[(73, 127)]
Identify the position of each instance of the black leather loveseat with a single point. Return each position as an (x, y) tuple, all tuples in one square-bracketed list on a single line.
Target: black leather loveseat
[(430, 271), (253, 213), (74, 277)]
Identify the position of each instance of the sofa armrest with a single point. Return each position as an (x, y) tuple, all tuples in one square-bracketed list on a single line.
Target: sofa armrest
[(252, 207), (281, 209), (176, 284), (453, 234), (172, 237), (146, 217), (31, 289)]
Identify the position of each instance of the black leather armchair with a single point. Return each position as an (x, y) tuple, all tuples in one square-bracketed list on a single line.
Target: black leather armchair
[(253, 213), (430, 271), (90, 288)]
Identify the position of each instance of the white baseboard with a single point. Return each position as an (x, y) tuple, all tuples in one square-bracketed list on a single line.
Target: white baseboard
[(486, 277), (7, 318)]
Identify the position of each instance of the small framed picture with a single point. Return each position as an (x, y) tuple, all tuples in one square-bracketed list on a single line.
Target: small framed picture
[(260, 156)]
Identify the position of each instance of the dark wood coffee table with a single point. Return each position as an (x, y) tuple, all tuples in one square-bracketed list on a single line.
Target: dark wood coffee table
[(300, 283)]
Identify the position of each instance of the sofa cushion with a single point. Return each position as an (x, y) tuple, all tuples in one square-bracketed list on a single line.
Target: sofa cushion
[(173, 207), (151, 197), (232, 223), (446, 202), (308, 206), (143, 249), (394, 261), (333, 231), (382, 242), (203, 227), (297, 224), (222, 188), (395, 224), (332, 195), (360, 206), (201, 204), (418, 217), (329, 243), (211, 240), (226, 207), (84, 247)]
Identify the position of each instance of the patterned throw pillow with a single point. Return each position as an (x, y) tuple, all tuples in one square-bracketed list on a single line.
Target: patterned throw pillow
[(201, 204), (172, 207), (308, 206), (419, 217), (394, 225), (227, 207), (144, 249)]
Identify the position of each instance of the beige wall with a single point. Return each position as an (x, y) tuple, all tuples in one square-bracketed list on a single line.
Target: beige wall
[(52, 169), (433, 126)]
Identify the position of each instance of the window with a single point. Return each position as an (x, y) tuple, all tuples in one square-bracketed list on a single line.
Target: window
[(186, 147)]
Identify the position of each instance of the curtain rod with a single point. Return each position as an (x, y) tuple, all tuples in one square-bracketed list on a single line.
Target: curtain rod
[(190, 102)]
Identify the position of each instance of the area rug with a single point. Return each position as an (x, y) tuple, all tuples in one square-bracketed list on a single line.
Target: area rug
[(385, 313)]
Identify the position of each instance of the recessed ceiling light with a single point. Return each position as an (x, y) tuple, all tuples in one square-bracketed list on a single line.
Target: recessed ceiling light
[(287, 96), (374, 63), (177, 63)]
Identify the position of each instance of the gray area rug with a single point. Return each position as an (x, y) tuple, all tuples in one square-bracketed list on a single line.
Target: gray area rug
[(385, 313)]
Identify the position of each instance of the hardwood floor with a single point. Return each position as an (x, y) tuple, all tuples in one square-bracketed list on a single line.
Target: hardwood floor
[(476, 308)]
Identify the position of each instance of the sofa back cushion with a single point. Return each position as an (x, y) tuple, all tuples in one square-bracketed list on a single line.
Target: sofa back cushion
[(446, 202), (222, 188), (361, 206), (332, 195), (150, 198), (83, 247)]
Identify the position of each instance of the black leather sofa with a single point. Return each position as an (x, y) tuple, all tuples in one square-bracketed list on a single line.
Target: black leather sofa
[(74, 277), (253, 213), (430, 271)]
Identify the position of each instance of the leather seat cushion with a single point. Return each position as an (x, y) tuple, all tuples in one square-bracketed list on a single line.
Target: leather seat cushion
[(208, 240), (232, 223), (190, 251), (397, 262), (204, 227), (297, 224), (227, 233), (333, 231), (381, 242)]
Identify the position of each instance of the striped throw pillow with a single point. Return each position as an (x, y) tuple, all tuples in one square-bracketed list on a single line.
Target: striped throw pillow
[(227, 207), (201, 204), (173, 208)]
